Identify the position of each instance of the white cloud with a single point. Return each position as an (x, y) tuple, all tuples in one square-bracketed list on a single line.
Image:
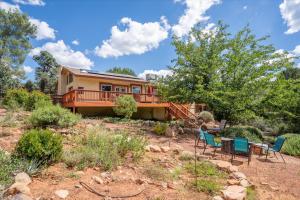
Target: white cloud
[(193, 14), (64, 55), (297, 50), (27, 69), (137, 38), (44, 31), (75, 42), (245, 7), (290, 12), (8, 7), (30, 2), (160, 73)]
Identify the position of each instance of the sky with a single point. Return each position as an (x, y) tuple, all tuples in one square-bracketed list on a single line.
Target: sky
[(101, 34)]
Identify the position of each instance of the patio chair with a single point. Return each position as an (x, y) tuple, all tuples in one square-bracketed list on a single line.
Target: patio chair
[(201, 135), (210, 140), (241, 145), (276, 147)]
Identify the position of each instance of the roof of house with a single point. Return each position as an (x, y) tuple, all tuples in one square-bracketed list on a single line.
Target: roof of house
[(95, 74)]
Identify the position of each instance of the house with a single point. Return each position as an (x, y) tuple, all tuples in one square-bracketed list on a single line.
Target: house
[(94, 93)]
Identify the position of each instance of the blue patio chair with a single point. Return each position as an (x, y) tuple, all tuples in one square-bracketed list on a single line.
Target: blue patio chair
[(241, 146), (276, 147), (201, 135), (210, 140)]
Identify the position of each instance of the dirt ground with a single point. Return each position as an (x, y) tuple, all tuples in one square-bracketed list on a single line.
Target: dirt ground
[(273, 179)]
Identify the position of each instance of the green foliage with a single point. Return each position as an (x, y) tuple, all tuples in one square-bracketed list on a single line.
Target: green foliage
[(29, 86), (104, 148), (160, 128), (16, 98), (37, 99), (157, 172), (205, 169), (120, 70), (15, 34), (207, 186), (222, 70), (292, 144), (251, 194), (53, 115), (42, 146), (251, 133), (9, 120), (206, 116), (46, 73), (125, 106)]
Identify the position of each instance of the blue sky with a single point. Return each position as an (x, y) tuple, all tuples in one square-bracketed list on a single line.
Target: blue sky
[(100, 34)]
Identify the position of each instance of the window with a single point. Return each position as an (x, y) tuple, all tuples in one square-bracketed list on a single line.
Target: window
[(80, 88), (105, 87), (69, 78), (122, 89), (136, 89)]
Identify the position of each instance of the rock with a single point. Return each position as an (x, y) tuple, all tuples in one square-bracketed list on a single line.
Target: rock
[(21, 196), (164, 185), (239, 175), (217, 198), (147, 148), (233, 168), (171, 185), (233, 182), (62, 193), (22, 178), (78, 186), (154, 148), (223, 165), (170, 132), (234, 192), (18, 188), (274, 188), (187, 153), (165, 149), (105, 175), (244, 183), (97, 179), (79, 173), (264, 183)]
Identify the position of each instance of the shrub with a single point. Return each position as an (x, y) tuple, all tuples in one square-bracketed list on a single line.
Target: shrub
[(160, 128), (53, 115), (206, 116), (37, 99), (251, 133), (125, 106), (207, 186), (292, 144), (104, 148), (42, 146), (16, 98)]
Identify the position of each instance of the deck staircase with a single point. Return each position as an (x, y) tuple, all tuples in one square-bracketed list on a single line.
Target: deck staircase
[(180, 111)]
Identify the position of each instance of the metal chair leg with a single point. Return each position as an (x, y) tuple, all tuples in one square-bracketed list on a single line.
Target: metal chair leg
[(282, 157), (275, 155), (267, 155)]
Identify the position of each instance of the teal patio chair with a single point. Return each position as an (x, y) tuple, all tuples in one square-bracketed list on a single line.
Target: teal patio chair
[(241, 146), (276, 147), (210, 140), (201, 135)]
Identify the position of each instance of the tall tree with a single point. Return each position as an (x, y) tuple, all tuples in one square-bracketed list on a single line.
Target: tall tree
[(15, 33), (29, 86), (230, 73), (120, 70), (46, 73)]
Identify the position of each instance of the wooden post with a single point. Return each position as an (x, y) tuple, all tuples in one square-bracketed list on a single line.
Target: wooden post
[(74, 109)]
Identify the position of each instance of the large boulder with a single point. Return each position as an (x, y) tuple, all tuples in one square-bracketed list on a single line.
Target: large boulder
[(234, 192), (18, 188), (62, 193), (22, 178)]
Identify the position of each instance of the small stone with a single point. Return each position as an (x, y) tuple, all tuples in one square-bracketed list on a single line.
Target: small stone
[(234, 192), (97, 179), (147, 148), (105, 174), (140, 181), (18, 188), (239, 175), (244, 183), (264, 183), (97, 168), (79, 173), (78, 186), (62, 193), (217, 198), (171, 186), (233, 182), (21, 196), (164, 185), (274, 188), (165, 149), (154, 148), (22, 178), (233, 168)]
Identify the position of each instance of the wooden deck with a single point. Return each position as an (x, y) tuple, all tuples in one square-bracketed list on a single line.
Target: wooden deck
[(90, 98)]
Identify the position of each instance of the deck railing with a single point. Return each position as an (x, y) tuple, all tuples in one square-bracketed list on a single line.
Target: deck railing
[(108, 96)]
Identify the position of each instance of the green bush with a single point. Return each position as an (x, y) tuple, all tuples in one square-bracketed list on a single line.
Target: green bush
[(37, 99), (42, 146), (125, 106), (16, 98), (251, 133), (104, 148), (206, 116), (292, 144), (160, 128), (53, 115)]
